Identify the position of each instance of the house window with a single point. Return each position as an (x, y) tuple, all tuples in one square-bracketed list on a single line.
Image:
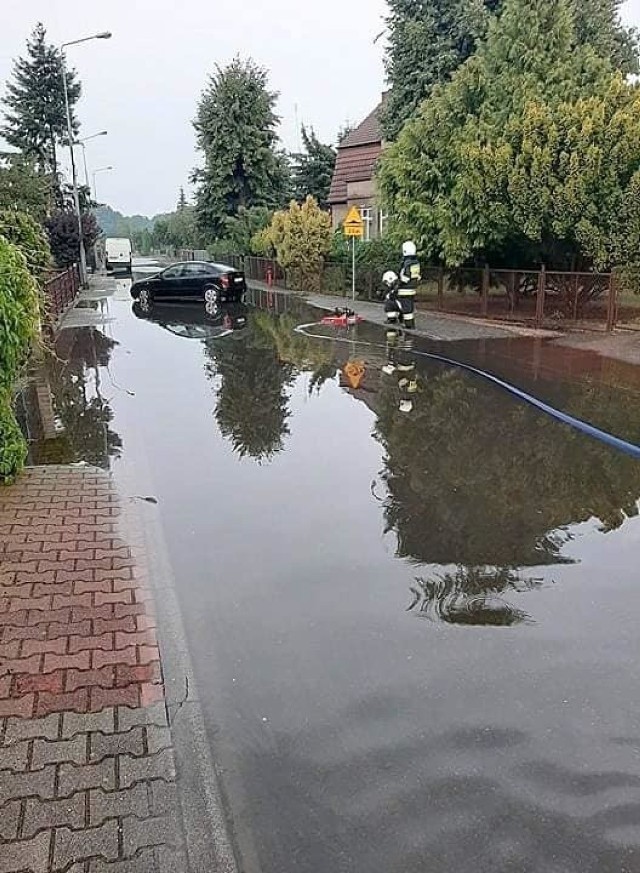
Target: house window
[(367, 219), (384, 221)]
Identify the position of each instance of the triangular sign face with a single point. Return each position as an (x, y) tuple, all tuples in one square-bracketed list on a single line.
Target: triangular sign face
[(353, 219)]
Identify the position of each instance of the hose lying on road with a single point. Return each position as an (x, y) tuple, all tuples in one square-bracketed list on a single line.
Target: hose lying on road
[(563, 417)]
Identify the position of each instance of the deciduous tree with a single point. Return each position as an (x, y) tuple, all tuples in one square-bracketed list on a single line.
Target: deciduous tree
[(240, 231), (64, 240)]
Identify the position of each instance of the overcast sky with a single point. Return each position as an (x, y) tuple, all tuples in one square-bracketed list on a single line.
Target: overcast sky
[(143, 84)]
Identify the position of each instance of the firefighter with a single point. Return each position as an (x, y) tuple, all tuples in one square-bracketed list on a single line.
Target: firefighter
[(392, 306), (410, 278)]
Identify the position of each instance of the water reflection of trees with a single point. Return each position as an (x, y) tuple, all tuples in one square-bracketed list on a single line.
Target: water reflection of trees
[(480, 482), (255, 370), (73, 374), (252, 408), (302, 352), (471, 596), (477, 480)]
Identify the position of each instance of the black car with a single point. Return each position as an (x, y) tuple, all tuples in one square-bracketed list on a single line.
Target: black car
[(194, 280)]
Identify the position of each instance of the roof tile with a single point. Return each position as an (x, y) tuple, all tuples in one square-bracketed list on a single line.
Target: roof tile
[(369, 131), (358, 155), (354, 164)]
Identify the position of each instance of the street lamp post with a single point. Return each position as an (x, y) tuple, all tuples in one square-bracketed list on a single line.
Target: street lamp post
[(95, 173), (74, 176), (81, 143)]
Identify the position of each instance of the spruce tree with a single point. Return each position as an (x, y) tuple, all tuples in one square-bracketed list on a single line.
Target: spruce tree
[(313, 169), (35, 116), (428, 40), (530, 154), (598, 24), (236, 132)]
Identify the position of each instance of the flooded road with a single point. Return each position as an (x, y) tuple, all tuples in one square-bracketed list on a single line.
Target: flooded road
[(411, 601)]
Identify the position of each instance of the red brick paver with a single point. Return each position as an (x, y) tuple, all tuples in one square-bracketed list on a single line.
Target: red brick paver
[(81, 693)]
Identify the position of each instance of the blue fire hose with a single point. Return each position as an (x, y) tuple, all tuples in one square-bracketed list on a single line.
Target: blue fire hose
[(563, 417)]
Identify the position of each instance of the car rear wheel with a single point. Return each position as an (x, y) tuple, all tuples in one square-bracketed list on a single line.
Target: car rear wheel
[(211, 294), (212, 308)]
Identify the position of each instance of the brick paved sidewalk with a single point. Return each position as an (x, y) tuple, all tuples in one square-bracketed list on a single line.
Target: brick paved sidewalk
[(87, 776)]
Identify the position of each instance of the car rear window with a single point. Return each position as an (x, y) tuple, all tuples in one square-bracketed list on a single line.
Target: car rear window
[(223, 268)]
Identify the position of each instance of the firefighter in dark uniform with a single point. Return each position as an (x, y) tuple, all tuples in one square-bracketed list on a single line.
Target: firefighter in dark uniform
[(392, 306), (410, 278)]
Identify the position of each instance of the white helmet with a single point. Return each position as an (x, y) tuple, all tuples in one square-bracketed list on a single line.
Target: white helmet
[(390, 279), (409, 249)]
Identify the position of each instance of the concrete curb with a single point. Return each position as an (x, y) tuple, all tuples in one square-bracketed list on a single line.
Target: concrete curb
[(205, 818)]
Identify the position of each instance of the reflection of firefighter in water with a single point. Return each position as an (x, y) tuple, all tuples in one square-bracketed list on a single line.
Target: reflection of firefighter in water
[(400, 300), (401, 363)]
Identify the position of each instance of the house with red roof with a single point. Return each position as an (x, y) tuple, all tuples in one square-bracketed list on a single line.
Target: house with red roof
[(353, 182)]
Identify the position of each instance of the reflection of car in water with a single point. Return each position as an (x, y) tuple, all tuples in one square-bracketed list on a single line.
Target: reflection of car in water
[(194, 321), (195, 280)]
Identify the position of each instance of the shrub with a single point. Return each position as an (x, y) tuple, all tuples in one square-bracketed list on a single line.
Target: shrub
[(13, 448), (301, 238), (18, 327), (24, 232), (64, 240), (373, 259)]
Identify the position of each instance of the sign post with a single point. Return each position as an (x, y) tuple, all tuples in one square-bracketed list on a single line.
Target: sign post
[(353, 227), (353, 268)]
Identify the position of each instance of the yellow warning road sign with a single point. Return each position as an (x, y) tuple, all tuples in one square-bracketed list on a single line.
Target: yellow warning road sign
[(353, 223)]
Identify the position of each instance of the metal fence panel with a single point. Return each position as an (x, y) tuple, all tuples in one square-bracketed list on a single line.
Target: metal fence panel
[(539, 298), (59, 292)]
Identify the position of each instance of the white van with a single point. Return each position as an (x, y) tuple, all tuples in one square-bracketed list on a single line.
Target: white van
[(118, 254)]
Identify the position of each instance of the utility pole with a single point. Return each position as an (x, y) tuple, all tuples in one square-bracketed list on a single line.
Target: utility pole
[(74, 176)]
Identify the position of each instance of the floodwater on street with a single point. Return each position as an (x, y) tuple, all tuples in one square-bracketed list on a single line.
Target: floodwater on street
[(413, 614)]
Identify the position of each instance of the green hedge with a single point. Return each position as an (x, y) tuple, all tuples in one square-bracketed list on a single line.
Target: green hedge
[(18, 328), (13, 448), (24, 232)]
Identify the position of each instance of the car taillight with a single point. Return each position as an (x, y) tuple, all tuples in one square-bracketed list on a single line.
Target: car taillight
[(224, 281)]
